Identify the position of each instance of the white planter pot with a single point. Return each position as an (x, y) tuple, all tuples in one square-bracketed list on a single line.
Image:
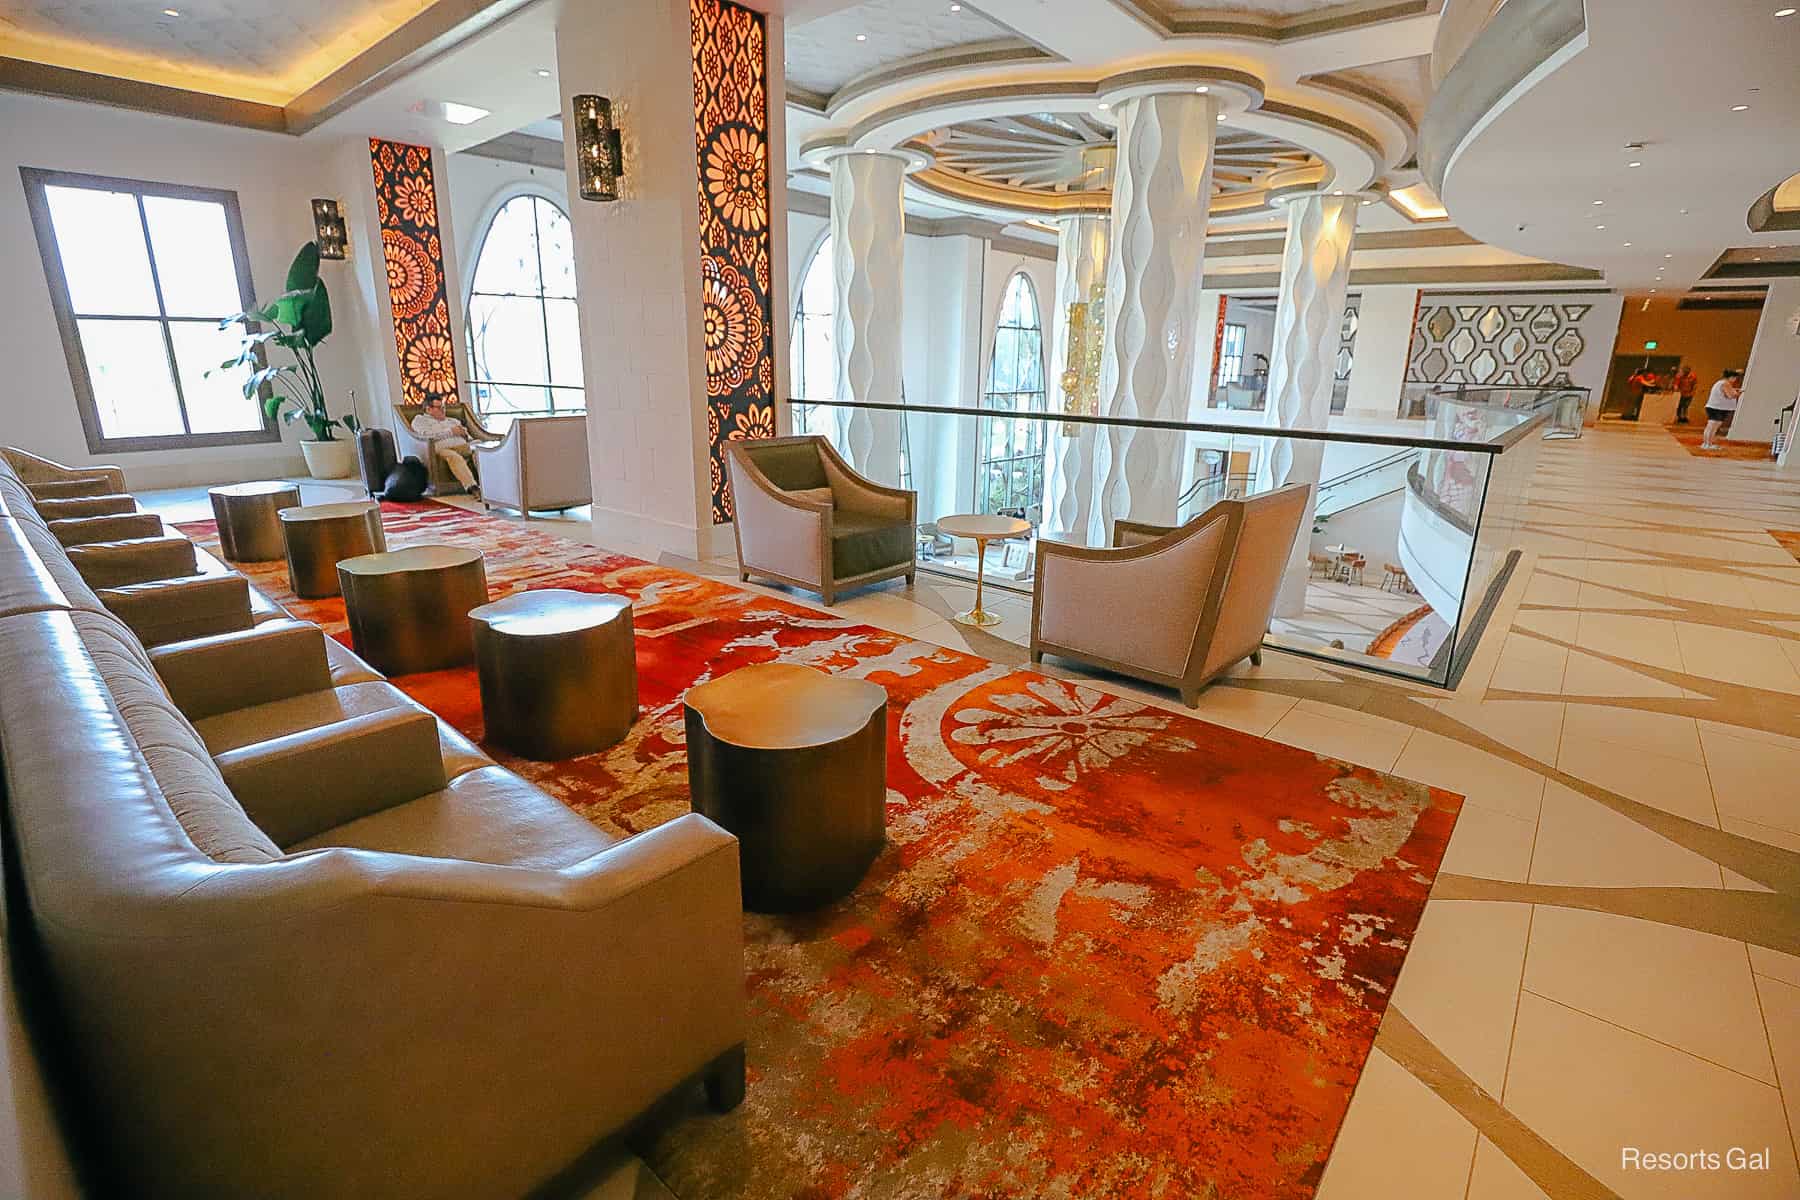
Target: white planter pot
[(329, 460)]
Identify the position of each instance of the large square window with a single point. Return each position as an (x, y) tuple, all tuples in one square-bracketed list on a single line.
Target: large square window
[(141, 275)]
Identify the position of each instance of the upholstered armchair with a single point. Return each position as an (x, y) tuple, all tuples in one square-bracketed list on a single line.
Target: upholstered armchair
[(410, 443), (541, 463), (805, 517), (1177, 607)]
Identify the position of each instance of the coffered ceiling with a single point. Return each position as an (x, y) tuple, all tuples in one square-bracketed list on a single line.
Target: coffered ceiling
[(825, 53), (265, 51)]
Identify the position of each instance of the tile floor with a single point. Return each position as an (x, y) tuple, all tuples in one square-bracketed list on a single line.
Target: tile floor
[(1611, 957)]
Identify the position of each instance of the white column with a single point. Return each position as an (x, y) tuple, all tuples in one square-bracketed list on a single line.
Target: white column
[(1315, 274), (1383, 341), (1081, 247), (1772, 376), (868, 227), (1161, 193)]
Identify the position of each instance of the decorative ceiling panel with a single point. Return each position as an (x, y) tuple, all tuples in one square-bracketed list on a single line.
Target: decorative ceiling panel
[(261, 50), (823, 54), (1404, 82), (1260, 8)]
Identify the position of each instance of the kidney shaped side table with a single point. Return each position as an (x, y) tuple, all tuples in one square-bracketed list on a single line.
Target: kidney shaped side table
[(558, 671)]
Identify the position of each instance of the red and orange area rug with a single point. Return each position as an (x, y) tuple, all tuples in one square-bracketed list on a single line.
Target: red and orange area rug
[(1689, 436), (1789, 540), (1109, 951)]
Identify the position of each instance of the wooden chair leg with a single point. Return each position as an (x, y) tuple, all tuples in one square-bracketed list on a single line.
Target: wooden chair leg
[(1256, 657), (724, 1079)]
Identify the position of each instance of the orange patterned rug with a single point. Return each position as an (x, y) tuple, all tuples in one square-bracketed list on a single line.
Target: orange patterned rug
[(1789, 540), (1689, 436), (1109, 951)]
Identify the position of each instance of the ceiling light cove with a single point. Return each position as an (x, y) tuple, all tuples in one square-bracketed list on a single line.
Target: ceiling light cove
[(451, 111)]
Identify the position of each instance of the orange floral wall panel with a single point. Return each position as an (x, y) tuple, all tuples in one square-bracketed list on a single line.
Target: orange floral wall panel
[(731, 143), (406, 210)]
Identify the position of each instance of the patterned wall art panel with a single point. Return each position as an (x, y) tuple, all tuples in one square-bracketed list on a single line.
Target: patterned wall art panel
[(406, 208), (1515, 340), (731, 142)]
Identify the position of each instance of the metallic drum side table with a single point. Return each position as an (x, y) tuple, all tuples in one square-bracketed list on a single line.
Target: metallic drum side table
[(249, 519), (319, 536), (558, 671), (794, 763), (409, 609)]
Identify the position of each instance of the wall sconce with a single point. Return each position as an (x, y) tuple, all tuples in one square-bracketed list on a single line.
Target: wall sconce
[(329, 229), (599, 158)]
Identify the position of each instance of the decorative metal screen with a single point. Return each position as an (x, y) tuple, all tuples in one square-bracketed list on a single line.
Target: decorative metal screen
[(406, 209), (1522, 344), (731, 142)]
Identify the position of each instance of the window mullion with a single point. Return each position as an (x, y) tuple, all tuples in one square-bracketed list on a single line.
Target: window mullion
[(537, 244), (162, 316)]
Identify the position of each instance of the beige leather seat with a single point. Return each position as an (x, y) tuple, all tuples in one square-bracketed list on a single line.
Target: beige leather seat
[(411, 444), (541, 464), (1177, 606)]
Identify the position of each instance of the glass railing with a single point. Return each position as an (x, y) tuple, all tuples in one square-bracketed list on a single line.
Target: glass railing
[(1566, 405), (1412, 520)]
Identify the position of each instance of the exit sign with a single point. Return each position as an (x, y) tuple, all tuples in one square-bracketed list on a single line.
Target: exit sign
[(1649, 345)]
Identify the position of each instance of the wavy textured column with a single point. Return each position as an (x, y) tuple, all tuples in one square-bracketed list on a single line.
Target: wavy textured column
[(1081, 248), (867, 229), (1315, 274), (1161, 192)]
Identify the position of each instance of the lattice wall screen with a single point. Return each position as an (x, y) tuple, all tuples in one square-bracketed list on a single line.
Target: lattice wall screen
[(1506, 344)]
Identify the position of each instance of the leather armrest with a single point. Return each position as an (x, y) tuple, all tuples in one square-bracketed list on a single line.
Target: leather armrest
[(115, 564), (228, 671), (80, 531), (52, 509), (171, 610), (300, 785)]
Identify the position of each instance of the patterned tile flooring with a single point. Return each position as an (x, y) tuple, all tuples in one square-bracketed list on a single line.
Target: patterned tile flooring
[(1611, 960)]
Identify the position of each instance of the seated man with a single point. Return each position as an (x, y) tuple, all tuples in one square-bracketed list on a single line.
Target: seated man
[(449, 441)]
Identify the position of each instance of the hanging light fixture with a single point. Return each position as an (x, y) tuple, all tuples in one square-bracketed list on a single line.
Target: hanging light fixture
[(329, 229), (600, 159)]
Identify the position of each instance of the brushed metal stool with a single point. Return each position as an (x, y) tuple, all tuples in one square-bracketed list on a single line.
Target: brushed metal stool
[(558, 671), (319, 536), (409, 609), (249, 519)]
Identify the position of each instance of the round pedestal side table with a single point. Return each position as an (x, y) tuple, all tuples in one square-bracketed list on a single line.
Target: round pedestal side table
[(981, 530), (794, 763), (249, 519), (319, 536), (558, 671), (409, 609)]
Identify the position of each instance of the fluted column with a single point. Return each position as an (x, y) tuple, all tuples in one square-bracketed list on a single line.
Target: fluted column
[(1315, 274), (1081, 248), (867, 229), (1161, 193)]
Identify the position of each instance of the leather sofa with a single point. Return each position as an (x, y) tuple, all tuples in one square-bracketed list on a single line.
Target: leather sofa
[(295, 936), (1201, 595)]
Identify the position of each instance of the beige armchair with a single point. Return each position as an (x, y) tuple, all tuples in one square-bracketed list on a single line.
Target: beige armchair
[(541, 463), (805, 517), (410, 443), (1177, 606)]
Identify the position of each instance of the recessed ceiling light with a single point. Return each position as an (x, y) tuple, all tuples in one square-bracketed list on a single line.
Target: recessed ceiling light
[(1221, 116), (543, 74), (1786, 12), (1599, 202), (1104, 106), (1684, 212), (1628, 243), (1599, 227), (956, 8), (462, 114), (1203, 89), (862, 37), (171, 12), (1740, 108), (1634, 164), (1668, 256)]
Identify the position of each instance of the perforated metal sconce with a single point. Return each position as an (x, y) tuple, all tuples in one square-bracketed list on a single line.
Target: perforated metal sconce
[(600, 160), (329, 229)]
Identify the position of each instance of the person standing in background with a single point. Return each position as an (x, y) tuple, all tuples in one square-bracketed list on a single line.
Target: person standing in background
[(1643, 381), (1685, 382), (1721, 404)]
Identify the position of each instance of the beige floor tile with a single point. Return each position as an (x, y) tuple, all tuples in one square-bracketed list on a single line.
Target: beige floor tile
[(1496, 1177), (895, 610), (1661, 733), (1480, 777), (1529, 665), (1461, 979), (1600, 596), (1691, 990), (1776, 965), (1592, 1088), (1781, 1008), (1582, 843), (1341, 733), (1489, 844), (1709, 587), (1751, 659), (1545, 588), (1532, 727), (1243, 708), (1755, 780), (1398, 1139), (1649, 640), (1551, 623), (1671, 784)]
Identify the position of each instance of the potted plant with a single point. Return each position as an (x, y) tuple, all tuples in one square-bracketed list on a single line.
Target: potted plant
[(296, 321)]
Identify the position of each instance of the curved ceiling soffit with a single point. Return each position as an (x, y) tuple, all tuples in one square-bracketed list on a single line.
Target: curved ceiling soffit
[(1524, 42), (1374, 106), (1354, 157), (1776, 210)]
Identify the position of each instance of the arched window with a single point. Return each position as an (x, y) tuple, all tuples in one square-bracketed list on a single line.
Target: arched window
[(814, 356), (1010, 460), (524, 338)]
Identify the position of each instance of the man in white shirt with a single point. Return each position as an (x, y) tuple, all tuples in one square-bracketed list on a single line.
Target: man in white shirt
[(449, 441), (1721, 404)]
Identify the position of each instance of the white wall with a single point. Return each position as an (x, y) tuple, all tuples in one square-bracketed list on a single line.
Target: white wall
[(1383, 337), (1772, 378), (274, 176)]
